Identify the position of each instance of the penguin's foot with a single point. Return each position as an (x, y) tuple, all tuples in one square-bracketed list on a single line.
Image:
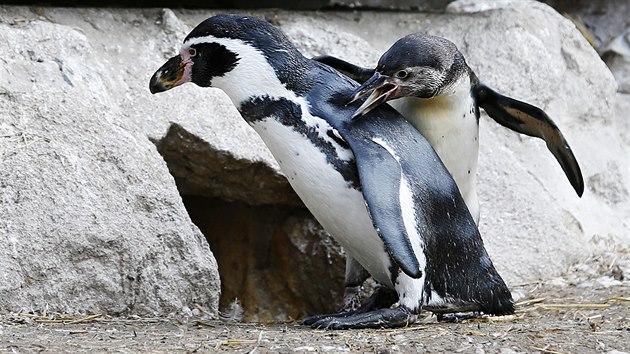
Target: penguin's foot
[(383, 318), (459, 317), (316, 318), (381, 298)]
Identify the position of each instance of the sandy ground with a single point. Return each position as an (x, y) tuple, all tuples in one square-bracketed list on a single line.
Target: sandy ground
[(587, 310)]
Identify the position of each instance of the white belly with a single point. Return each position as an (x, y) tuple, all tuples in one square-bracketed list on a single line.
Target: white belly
[(449, 123), (338, 207)]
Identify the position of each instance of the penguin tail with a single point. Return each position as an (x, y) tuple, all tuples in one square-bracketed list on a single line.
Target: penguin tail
[(497, 300)]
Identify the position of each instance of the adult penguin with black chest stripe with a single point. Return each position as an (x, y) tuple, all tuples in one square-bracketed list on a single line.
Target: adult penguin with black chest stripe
[(427, 80), (374, 184)]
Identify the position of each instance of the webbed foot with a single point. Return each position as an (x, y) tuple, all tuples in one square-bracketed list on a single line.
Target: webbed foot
[(382, 318), (381, 298)]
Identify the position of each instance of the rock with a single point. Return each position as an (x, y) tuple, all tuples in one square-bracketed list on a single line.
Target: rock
[(473, 6), (616, 54), (276, 260), (427, 5), (604, 20), (91, 220), (202, 170), (608, 185)]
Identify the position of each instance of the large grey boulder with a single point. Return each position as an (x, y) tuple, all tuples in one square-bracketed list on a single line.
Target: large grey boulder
[(96, 202), (90, 219)]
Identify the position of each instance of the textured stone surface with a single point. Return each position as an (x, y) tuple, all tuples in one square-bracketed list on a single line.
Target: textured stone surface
[(202, 170), (604, 19), (90, 219), (96, 203), (616, 54), (277, 261), (425, 5)]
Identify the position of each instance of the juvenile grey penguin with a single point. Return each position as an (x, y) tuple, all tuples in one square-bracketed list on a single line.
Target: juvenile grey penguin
[(375, 184), (427, 80)]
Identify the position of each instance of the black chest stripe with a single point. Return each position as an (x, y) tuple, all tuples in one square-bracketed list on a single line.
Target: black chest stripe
[(289, 113)]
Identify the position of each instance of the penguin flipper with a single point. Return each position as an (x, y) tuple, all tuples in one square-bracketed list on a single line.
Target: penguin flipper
[(526, 119), (355, 72), (381, 176)]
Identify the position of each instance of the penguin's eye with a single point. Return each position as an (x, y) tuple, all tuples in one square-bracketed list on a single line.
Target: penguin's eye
[(192, 52), (401, 74)]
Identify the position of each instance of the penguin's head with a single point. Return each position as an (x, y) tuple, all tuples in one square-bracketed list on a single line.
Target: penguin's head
[(241, 55), (417, 65)]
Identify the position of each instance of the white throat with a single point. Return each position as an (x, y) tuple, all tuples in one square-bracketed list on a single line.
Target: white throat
[(449, 123)]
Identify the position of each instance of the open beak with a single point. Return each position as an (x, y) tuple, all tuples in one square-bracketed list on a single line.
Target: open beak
[(382, 90), (173, 73)]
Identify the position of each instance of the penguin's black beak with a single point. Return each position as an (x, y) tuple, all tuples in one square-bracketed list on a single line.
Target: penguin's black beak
[(382, 89), (173, 73)]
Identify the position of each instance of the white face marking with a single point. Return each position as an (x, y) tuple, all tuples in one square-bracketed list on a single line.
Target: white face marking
[(253, 76), (404, 284), (339, 208), (449, 123)]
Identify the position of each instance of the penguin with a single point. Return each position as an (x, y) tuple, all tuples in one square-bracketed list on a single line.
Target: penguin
[(427, 80), (375, 183)]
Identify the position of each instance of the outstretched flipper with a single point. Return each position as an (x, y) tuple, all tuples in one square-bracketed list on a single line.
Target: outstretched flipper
[(533, 121), (355, 72)]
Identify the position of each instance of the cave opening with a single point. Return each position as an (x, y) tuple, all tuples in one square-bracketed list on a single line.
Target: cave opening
[(271, 253)]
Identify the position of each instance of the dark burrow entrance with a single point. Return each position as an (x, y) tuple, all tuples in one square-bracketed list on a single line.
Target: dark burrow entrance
[(272, 255)]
